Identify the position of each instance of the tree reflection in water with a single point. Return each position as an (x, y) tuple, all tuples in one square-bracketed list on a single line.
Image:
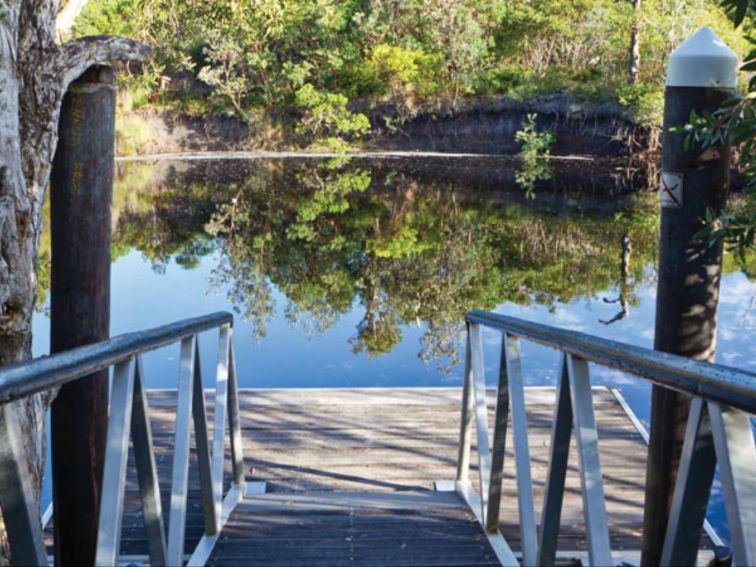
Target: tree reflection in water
[(407, 242)]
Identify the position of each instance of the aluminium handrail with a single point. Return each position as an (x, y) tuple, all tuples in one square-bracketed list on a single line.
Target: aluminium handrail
[(32, 377), (129, 426), (716, 382), (718, 434)]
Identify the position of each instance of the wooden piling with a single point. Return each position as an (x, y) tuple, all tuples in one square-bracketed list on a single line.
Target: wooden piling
[(694, 180), (81, 193)]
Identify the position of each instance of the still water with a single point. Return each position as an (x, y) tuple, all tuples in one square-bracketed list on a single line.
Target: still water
[(358, 273)]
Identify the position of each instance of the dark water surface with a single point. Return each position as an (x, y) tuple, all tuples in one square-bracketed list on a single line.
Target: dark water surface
[(359, 273)]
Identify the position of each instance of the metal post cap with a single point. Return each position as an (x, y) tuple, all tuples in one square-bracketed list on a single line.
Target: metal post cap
[(703, 60)]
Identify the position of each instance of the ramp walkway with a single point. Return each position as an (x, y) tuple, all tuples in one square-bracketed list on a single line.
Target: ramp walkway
[(490, 473)]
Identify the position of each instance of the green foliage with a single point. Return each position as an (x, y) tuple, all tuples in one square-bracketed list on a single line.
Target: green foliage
[(534, 143), (331, 197), (133, 135), (737, 10), (735, 122), (400, 242), (530, 172), (645, 101), (415, 55), (117, 16), (327, 120), (378, 333), (503, 79), (536, 148), (407, 78), (225, 70)]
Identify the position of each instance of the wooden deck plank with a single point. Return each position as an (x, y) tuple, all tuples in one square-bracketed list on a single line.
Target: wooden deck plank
[(387, 440), (354, 528)]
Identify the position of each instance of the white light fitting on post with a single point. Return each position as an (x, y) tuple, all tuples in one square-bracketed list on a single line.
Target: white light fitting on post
[(703, 60)]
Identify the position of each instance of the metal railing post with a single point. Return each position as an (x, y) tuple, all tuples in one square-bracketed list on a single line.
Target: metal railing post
[(202, 442), (553, 497), (116, 458), (528, 533), (237, 448), (180, 474), (481, 416), (219, 421), (592, 485), (465, 428), (499, 441), (691, 491), (20, 512), (736, 456), (149, 488)]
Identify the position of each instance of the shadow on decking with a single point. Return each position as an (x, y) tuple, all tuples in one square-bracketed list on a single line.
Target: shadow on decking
[(389, 440), (396, 440)]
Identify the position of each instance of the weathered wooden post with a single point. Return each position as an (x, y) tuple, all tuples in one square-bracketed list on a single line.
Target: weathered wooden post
[(702, 74), (80, 198)]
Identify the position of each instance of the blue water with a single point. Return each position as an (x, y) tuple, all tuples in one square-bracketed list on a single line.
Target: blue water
[(290, 357), (295, 353)]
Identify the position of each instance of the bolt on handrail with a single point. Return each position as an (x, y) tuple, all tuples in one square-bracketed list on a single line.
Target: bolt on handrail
[(718, 434), (128, 420)]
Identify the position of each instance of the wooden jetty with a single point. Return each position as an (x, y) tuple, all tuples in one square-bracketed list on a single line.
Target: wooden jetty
[(404, 476), (350, 478)]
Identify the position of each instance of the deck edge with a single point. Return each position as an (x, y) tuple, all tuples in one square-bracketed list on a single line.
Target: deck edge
[(206, 544), (643, 432), (496, 540)]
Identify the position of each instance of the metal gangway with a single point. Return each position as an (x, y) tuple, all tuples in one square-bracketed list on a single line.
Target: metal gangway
[(719, 434)]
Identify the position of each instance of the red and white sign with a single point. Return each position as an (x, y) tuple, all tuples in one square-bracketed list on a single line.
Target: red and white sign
[(671, 189)]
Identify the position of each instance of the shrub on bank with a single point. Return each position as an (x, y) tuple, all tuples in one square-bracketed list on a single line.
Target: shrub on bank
[(242, 58)]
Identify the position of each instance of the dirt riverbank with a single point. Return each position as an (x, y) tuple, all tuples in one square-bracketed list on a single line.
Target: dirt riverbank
[(477, 126)]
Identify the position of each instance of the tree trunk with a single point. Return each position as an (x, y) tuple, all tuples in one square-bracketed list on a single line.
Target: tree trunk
[(634, 66), (34, 74), (67, 17)]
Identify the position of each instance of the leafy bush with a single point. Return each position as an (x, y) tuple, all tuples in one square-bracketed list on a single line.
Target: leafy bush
[(417, 54), (225, 71), (327, 121), (534, 143), (407, 77), (502, 79), (535, 147), (645, 101)]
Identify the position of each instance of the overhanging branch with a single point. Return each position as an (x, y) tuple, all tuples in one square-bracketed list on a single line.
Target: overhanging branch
[(78, 55)]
